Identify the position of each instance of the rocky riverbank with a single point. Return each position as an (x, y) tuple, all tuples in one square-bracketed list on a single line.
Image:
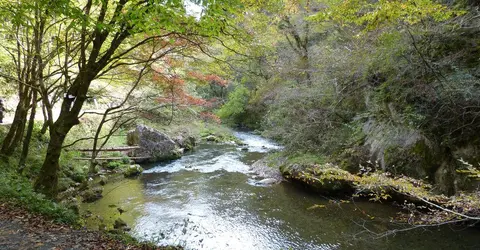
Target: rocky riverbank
[(419, 199)]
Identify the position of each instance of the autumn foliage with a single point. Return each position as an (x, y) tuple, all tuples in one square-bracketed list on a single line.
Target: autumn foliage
[(175, 90)]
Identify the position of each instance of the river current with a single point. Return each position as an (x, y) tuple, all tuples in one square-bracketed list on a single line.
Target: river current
[(210, 199)]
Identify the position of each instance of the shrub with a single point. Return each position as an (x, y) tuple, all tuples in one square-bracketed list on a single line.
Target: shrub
[(234, 110), (18, 190), (114, 165)]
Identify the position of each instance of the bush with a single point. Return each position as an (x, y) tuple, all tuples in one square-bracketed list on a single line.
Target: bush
[(234, 110), (125, 160), (114, 165), (76, 173)]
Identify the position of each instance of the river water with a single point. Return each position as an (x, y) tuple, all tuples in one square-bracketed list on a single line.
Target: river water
[(209, 199)]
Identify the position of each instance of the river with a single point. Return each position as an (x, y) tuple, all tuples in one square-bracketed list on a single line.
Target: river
[(209, 199)]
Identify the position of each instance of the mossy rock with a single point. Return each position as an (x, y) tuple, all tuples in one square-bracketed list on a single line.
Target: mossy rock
[(417, 161), (326, 179), (119, 224), (132, 171), (212, 138), (103, 180), (64, 183), (72, 203), (350, 159), (76, 173), (92, 194)]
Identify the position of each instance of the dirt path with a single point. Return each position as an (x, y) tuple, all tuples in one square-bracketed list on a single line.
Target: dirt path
[(22, 230)]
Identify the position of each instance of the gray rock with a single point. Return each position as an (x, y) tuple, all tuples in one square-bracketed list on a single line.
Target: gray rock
[(154, 145), (263, 171), (186, 142), (268, 181)]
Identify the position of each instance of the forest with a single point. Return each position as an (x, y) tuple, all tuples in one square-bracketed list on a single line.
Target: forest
[(307, 105)]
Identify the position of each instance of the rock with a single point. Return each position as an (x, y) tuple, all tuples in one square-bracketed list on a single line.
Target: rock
[(133, 170), (103, 180), (244, 149), (120, 210), (327, 179), (70, 192), (212, 138), (93, 194), (263, 171), (188, 142), (72, 203), (119, 224), (268, 181), (64, 184), (154, 145)]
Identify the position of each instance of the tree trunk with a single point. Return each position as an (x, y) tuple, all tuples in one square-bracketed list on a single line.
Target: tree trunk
[(48, 177), (17, 128), (28, 136)]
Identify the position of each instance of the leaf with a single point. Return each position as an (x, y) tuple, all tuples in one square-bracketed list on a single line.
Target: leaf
[(316, 206)]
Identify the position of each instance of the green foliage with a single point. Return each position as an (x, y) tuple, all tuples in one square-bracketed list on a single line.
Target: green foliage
[(19, 190), (305, 159), (125, 160), (77, 173), (379, 14), (114, 164), (234, 108)]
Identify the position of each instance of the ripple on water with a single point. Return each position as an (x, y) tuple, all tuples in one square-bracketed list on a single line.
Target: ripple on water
[(209, 200)]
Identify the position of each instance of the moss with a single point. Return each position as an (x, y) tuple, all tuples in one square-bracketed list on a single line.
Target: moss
[(350, 159), (306, 158), (64, 183), (132, 171), (92, 194), (415, 161)]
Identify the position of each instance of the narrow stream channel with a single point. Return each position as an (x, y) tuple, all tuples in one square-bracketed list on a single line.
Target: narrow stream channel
[(209, 199)]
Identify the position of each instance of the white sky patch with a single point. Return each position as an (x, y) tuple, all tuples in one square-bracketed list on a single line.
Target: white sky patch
[(193, 9)]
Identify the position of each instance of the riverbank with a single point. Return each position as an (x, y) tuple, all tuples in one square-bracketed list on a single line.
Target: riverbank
[(421, 202), (211, 199), (20, 229), (76, 185)]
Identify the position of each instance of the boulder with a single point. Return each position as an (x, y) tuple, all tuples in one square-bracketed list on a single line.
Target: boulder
[(154, 145), (64, 183), (103, 180), (186, 142), (265, 172), (268, 181), (133, 170), (93, 194)]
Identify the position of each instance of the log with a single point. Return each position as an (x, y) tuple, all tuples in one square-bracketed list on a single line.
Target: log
[(110, 158), (106, 149)]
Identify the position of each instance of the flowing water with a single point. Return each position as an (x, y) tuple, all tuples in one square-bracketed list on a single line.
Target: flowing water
[(209, 199)]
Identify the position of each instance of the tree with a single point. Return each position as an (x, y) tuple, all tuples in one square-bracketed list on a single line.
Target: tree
[(107, 34)]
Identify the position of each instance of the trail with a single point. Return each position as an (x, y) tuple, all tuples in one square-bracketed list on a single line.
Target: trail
[(20, 229)]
